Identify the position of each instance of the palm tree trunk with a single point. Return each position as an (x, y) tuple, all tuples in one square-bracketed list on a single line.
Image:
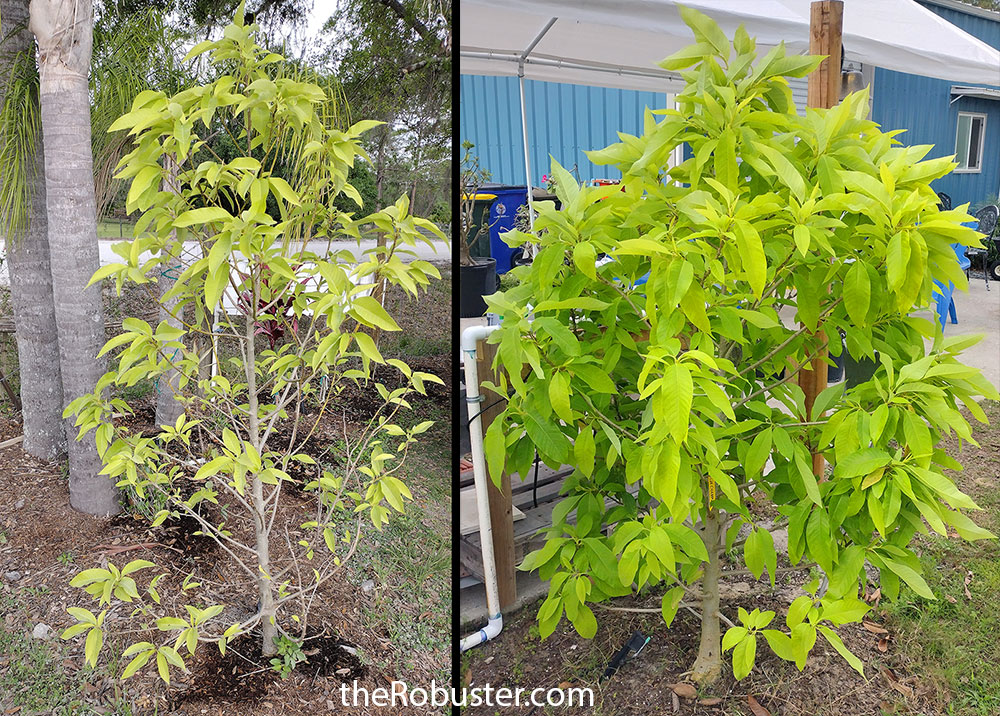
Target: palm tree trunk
[(31, 285), (64, 29)]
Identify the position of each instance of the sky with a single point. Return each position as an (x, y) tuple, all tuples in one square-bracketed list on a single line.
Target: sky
[(321, 12)]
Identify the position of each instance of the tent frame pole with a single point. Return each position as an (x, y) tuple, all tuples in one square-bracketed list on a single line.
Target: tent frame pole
[(527, 157), (524, 124)]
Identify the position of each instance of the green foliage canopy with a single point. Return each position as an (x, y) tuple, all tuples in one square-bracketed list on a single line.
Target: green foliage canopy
[(671, 396)]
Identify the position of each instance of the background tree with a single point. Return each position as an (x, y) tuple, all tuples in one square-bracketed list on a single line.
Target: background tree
[(393, 57), (672, 395), (131, 54)]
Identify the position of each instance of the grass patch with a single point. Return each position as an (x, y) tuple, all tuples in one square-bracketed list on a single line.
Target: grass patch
[(952, 641), (31, 677), (109, 229), (411, 345), (410, 564)]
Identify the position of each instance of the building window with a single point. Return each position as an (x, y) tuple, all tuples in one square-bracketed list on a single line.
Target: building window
[(969, 142)]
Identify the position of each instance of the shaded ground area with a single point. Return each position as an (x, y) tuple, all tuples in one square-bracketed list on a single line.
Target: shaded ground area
[(388, 617), (921, 657)]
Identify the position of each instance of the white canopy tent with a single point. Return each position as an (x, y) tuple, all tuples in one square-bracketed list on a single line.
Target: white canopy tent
[(617, 44)]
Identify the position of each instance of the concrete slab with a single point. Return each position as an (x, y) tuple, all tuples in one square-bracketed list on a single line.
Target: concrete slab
[(978, 311), (472, 600)]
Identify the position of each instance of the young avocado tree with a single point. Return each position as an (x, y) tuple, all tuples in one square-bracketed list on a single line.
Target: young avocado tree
[(675, 397), (256, 275)]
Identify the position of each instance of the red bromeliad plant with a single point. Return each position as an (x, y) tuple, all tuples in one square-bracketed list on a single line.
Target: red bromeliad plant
[(280, 308)]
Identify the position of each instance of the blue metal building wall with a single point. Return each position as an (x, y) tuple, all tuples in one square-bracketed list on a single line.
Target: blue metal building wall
[(924, 108), (564, 120)]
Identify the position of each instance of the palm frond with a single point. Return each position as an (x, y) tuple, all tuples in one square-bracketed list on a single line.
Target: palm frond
[(137, 53), (20, 127)]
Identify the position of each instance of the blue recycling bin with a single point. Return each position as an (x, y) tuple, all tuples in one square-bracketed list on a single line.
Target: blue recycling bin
[(503, 214)]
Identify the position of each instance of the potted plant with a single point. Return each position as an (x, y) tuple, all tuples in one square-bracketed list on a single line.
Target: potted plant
[(477, 274)]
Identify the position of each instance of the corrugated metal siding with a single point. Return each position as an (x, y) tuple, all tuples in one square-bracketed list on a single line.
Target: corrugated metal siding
[(924, 108), (986, 29), (563, 120)]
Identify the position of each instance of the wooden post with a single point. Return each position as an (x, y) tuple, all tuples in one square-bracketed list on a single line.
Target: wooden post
[(826, 23), (9, 390), (501, 504)]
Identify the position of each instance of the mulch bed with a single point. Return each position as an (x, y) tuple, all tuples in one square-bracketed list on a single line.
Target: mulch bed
[(246, 673)]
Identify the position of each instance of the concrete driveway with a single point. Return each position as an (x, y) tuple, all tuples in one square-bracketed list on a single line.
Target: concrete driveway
[(978, 311)]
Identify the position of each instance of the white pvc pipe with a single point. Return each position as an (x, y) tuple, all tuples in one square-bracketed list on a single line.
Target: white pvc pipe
[(470, 340)]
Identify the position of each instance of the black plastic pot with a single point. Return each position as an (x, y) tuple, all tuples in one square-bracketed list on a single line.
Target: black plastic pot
[(474, 282), (858, 371)]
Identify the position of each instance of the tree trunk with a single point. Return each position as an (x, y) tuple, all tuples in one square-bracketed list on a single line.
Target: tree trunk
[(168, 407), (708, 665), (31, 286), (268, 623), (64, 29), (380, 165)]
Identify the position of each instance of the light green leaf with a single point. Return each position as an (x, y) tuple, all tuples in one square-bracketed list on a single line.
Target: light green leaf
[(780, 643), (137, 663), (733, 636), (204, 215), (95, 640), (370, 312), (678, 387), (752, 254), (744, 655), (584, 451), (838, 644), (585, 622), (857, 293), (670, 604), (584, 256), (559, 396), (910, 576)]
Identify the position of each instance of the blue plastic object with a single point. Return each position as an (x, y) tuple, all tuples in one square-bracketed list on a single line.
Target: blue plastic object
[(945, 302), (503, 214), (945, 296)]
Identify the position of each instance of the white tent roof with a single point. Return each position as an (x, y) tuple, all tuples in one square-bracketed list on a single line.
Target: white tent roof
[(617, 44)]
